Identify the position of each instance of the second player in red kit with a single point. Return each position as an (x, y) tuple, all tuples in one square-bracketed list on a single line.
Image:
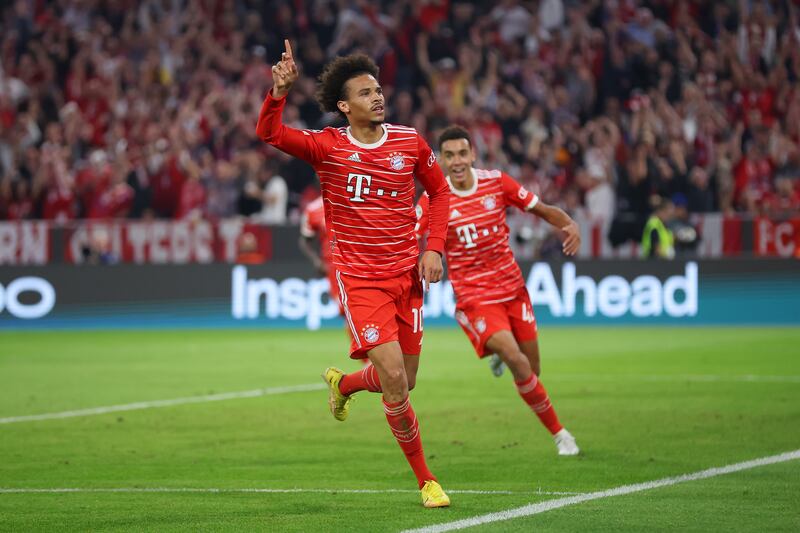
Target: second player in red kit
[(492, 304)]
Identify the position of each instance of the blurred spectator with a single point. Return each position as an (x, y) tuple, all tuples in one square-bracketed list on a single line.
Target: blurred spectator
[(658, 241), (248, 251), (147, 108), (98, 250)]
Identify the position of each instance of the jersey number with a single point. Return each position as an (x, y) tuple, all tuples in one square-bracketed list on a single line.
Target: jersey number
[(527, 313), (417, 319)]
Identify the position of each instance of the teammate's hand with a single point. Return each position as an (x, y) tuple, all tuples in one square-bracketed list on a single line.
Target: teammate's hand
[(284, 74), (430, 268), (572, 238)]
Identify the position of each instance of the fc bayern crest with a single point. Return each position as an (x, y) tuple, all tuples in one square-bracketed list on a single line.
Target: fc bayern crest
[(480, 325), (489, 203), (371, 333), (397, 161)]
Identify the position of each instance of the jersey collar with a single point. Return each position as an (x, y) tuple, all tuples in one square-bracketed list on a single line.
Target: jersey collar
[(376, 144), (468, 192)]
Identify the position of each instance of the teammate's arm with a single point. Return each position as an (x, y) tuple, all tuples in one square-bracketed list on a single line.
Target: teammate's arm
[(556, 217), (422, 217), (303, 144), (306, 246), (516, 195), (305, 243), (431, 177)]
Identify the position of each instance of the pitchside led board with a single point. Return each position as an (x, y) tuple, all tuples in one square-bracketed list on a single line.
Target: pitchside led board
[(765, 291)]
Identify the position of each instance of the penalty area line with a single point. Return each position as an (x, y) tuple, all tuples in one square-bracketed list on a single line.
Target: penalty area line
[(270, 391), (558, 503)]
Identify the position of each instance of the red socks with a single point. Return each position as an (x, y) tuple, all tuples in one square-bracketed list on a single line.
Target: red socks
[(534, 394), (364, 379), (405, 429)]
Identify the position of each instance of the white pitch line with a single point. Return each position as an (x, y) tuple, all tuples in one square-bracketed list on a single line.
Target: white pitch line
[(706, 378), (543, 507), (166, 403), (146, 490)]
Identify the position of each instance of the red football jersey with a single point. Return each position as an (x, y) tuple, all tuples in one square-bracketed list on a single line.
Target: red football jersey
[(480, 264), (312, 223), (367, 190)]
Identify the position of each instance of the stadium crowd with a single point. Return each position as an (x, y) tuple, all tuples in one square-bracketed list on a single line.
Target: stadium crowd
[(124, 108)]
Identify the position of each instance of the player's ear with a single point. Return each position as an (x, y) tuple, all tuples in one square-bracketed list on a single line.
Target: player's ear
[(343, 106)]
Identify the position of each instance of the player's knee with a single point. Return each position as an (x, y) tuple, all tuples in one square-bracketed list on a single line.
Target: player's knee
[(395, 379), (518, 364)]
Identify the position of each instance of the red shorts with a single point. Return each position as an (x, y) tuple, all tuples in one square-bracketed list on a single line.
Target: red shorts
[(381, 311), (481, 321), (334, 288)]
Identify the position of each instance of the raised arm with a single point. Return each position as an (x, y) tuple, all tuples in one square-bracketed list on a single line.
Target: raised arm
[(303, 144)]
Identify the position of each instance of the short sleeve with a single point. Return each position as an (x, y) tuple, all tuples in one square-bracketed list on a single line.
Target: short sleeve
[(516, 195)]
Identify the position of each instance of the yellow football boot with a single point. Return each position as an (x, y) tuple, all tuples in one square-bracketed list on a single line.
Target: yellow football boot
[(338, 402), (433, 495)]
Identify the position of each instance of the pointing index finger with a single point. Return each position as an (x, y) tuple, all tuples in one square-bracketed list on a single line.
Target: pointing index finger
[(288, 47)]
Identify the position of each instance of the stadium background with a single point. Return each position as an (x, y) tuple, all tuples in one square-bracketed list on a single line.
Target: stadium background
[(135, 195), (127, 131)]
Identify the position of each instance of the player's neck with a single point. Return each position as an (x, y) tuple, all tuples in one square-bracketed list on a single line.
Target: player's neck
[(369, 133), (466, 185)]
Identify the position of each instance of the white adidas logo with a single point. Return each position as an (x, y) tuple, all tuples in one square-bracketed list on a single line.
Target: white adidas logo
[(354, 157), (454, 214)]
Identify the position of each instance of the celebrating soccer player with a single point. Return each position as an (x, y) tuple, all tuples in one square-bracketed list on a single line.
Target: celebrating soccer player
[(493, 306), (367, 175)]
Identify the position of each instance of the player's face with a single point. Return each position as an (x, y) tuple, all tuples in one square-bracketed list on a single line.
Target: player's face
[(364, 101), (457, 158)]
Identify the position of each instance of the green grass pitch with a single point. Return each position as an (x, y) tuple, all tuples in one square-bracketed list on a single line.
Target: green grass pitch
[(644, 404)]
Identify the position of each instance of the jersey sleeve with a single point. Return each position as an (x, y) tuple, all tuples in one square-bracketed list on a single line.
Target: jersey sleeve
[(431, 177), (422, 216), (308, 145), (516, 195)]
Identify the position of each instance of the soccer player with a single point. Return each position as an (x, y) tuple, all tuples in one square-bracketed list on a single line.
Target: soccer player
[(367, 172), (493, 306), (312, 224)]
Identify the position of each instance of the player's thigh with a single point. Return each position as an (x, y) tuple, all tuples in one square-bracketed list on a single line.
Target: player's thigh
[(524, 328), (409, 317), (480, 323), (369, 310)]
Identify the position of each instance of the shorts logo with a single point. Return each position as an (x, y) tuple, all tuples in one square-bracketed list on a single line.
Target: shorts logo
[(396, 161), (461, 318), (489, 203), (480, 325), (523, 193), (371, 333)]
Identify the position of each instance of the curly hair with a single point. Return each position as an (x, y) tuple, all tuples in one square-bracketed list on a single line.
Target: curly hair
[(453, 133), (336, 73)]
